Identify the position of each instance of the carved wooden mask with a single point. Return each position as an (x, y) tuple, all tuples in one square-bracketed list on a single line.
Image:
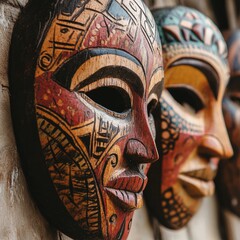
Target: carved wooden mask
[(228, 178), (84, 77), (191, 134)]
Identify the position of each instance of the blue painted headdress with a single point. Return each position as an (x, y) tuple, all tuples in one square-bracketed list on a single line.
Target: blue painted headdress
[(185, 32)]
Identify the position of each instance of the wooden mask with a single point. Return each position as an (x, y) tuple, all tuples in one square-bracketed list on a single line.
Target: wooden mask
[(191, 134), (84, 77), (228, 177)]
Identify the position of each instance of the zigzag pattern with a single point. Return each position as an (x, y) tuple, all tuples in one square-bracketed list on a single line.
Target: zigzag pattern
[(189, 27)]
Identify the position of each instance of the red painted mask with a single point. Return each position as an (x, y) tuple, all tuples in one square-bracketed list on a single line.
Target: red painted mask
[(191, 134), (98, 73), (228, 178)]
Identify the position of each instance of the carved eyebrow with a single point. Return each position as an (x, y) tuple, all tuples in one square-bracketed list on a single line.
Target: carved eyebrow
[(76, 64), (206, 69), (157, 81)]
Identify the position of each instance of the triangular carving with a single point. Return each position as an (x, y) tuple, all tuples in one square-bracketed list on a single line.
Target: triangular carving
[(198, 30), (194, 38), (169, 37), (186, 34), (86, 140), (173, 30), (188, 15)]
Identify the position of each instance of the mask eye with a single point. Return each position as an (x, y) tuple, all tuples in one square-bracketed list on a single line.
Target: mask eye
[(188, 98), (114, 99), (235, 99)]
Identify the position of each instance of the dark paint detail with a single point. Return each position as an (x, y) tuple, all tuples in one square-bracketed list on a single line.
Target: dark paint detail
[(63, 76), (206, 69)]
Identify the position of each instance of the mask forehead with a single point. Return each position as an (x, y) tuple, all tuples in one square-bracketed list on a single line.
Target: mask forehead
[(122, 25), (186, 33)]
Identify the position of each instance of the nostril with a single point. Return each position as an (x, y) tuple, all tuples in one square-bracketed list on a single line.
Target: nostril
[(137, 152)]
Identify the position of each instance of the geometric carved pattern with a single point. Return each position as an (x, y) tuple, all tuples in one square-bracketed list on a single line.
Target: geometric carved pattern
[(172, 125), (179, 26), (71, 173), (174, 211), (71, 30)]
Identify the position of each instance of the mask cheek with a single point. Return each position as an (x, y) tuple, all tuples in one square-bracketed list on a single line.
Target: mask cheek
[(179, 138), (185, 146)]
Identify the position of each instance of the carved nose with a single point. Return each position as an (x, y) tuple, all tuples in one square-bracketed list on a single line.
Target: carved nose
[(138, 153), (210, 145), (216, 142)]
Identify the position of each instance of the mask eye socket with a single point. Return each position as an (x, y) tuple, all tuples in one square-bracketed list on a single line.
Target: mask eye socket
[(151, 107), (235, 98), (152, 112), (111, 98), (188, 98), (233, 90)]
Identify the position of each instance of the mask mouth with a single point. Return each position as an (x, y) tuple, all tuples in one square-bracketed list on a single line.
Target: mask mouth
[(126, 189), (198, 183), (206, 174), (128, 201)]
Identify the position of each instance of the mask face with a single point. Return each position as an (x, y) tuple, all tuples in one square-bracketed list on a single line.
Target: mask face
[(191, 134), (93, 94), (228, 178)]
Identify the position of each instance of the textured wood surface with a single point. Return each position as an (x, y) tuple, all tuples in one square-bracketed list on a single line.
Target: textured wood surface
[(84, 92), (22, 219), (191, 134)]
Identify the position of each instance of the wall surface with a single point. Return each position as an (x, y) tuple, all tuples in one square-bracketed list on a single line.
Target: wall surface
[(20, 219)]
